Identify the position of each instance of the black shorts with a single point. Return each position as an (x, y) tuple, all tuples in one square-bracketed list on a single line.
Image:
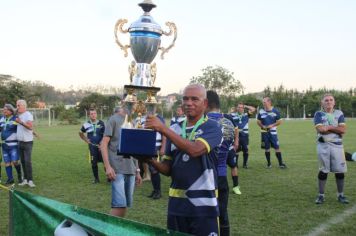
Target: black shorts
[(231, 160), (95, 154), (201, 226), (243, 143)]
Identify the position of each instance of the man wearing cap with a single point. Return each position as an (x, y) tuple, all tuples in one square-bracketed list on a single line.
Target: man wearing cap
[(8, 126)]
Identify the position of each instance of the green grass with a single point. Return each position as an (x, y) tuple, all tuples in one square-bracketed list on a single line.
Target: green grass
[(273, 201)]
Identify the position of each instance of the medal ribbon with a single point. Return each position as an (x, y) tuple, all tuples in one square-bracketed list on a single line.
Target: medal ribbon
[(192, 134)]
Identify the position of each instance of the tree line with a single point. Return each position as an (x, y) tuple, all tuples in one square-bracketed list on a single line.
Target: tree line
[(291, 102)]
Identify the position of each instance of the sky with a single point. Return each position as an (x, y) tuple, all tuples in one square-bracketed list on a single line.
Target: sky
[(296, 43)]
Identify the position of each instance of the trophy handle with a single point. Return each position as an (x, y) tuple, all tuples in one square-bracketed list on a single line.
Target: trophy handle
[(172, 29), (118, 26)]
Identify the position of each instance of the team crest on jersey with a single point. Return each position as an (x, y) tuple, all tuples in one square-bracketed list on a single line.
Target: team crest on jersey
[(199, 132), (213, 234), (185, 157)]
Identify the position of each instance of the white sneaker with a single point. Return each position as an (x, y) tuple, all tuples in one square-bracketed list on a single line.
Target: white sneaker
[(31, 184), (23, 183)]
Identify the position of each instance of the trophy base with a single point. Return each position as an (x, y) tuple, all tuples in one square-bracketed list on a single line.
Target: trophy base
[(139, 143), (143, 88)]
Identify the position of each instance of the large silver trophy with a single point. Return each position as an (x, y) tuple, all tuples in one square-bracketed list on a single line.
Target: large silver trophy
[(145, 42)]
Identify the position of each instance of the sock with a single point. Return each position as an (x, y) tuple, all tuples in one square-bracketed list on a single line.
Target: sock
[(156, 181), (268, 157), (95, 171), (235, 181), (245, 154), (224, 230), (279, 157), (340, 186), (322, 184), (9, 172), (18, 170)]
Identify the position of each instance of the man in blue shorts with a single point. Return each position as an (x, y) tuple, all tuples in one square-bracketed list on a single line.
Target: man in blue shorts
[(228, 129), (190, 160), (8, 127), (330, 126), (95, 130), (268, 119), (240, 119)]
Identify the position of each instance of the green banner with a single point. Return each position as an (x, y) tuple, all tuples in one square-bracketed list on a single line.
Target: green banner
[(35, 215)]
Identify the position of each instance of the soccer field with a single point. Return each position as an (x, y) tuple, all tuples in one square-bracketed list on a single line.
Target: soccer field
[(273, 201)]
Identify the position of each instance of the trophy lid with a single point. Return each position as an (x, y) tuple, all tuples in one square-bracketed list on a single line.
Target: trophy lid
[(146, 22)]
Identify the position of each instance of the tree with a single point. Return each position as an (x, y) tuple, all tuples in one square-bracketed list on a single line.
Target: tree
[(220, 80)]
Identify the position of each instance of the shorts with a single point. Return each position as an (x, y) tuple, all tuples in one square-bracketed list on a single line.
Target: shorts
[(122, 189), (95, 154), (331, 158), (201, 226), (269, 140), (10, 154), (243, 143), (231, 158)]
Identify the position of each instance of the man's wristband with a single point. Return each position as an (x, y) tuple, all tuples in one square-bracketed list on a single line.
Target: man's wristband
[(138, 170)]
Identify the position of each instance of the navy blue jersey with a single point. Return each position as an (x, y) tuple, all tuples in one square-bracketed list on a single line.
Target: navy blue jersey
[(268, 118), (194, 180), (241, 121), (8, 128), (228, 139), (94, 131), (335, 119), (177, 120)]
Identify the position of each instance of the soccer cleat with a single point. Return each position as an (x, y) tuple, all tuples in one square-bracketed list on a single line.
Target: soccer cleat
[(31, 184), (10, 181), (320, 200), (342, 199), (152, 194), (282, 166), (269, 166), (96, 181), (245, 167), (236, 190), (23, 183), (157, 195)]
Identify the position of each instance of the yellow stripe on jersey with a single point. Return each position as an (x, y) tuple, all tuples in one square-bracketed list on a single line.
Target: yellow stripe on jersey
[(174, 192), (205, 143)]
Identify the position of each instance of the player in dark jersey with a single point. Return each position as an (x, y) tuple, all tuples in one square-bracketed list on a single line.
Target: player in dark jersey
[(228, 129), (94, 129), (190, 160), (179, 117), (9, 146), (268, 119), (240, 119)]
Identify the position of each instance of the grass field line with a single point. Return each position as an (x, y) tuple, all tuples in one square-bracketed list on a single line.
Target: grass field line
[(322, 228)]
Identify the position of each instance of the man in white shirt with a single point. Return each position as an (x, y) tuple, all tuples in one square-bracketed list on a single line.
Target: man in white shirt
[(25, 138)]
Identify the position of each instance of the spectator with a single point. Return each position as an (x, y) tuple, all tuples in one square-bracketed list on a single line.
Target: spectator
[(121, 171), (25, 138)]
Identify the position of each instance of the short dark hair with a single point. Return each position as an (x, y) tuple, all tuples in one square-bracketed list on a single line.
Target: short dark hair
[(213, 99)]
